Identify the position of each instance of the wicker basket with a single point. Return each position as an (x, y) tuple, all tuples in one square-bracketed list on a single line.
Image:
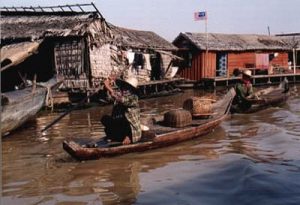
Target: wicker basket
[(198, 106), (177, 118)]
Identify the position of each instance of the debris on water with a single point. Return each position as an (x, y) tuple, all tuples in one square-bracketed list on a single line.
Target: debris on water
[(43, 139)]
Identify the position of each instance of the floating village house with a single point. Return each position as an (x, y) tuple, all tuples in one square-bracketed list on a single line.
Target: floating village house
[(151, 57), (218, 55), (293, 40), (62, 38), (78, 45)]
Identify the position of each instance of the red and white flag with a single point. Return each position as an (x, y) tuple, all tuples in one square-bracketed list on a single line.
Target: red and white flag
[(200, 15)]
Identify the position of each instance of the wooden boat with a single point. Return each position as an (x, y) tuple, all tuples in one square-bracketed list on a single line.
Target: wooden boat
[(273, 96), (158, 135), (20, 106)]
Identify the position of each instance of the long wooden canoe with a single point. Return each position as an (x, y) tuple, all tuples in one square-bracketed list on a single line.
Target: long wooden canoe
[(157, 136), (269, 97), (20, 106)]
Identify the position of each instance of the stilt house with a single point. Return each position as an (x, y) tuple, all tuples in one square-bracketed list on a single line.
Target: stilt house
[(78, 45), (65, 37), (218, 55), (152, 57), (293, 40)]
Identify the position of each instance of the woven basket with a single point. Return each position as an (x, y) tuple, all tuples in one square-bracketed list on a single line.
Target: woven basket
[(198, 106), (177, 118)]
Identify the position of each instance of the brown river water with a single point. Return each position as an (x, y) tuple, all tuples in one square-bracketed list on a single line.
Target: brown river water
[(249, 159)]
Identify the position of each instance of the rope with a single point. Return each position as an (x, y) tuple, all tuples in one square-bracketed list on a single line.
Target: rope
[(49, 99)]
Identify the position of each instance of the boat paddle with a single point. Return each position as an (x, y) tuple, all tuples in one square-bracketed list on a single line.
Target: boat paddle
[(68, 111)]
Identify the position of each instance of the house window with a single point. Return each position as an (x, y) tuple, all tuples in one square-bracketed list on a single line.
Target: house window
[(221, 64), (69, 59)]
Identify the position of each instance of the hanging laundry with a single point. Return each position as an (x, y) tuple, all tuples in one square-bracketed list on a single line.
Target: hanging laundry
[(147, 63), (130, 57)]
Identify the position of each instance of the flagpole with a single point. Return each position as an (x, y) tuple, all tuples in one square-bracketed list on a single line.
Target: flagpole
[(204, 59), (206, 55)]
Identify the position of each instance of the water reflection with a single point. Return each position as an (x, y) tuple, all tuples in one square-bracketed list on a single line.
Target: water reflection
[(246, 155)]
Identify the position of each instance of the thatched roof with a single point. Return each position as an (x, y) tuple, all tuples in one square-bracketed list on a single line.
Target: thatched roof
[(16, 25), (233, 42), (140, 39), (34, 25)]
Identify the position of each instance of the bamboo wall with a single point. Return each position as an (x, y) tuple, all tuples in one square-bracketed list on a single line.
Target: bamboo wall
[(69, 58), (166, 60), (100, 61)]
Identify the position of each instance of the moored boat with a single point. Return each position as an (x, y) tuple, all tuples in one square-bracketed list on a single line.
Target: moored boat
[(269, 97), (20, 106), (158, 135)]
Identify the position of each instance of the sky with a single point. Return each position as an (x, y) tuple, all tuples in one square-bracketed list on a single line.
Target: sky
[(168, 18)]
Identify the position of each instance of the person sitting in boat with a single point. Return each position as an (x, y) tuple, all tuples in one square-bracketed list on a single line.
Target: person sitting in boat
[(124, 123), (244, 91)]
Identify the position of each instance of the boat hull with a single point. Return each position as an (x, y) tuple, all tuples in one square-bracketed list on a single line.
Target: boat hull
[(269, 97), (22, 106), (255, 107), (158, 136)]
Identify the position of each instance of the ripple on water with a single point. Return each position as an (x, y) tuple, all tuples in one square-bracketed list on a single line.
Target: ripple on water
[(249, 159), (234, 181)]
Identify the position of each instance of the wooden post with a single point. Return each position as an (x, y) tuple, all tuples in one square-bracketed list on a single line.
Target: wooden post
[(294, 59), (88, 96), (144, 90), (34, 83), (167, 70), (269, 80), (206, 54)]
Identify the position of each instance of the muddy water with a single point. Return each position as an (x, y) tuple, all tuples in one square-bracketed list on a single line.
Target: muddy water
[(249, 159)]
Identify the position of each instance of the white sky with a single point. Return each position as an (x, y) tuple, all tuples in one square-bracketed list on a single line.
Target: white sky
[(170, 17)]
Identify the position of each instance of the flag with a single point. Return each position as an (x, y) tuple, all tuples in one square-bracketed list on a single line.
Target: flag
[(200, 15)]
